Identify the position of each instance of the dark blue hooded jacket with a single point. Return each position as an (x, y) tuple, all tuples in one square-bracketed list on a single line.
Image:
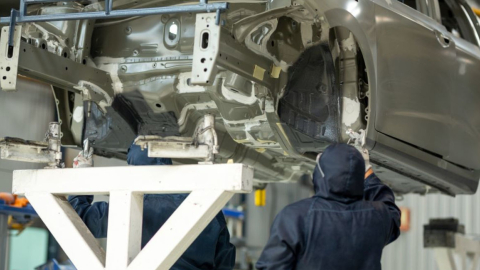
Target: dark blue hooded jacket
[(211, 250), (344, 226)]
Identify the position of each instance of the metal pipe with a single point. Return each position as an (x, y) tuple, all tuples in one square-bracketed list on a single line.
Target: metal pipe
[(118, 13), (217, 18), (108, 6), (23, 8), (46, 1), (12, 22)]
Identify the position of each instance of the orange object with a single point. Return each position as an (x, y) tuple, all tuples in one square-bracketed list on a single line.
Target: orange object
[(405, 219), (368, 173), (7, 197), (13, 200), (20, 202)]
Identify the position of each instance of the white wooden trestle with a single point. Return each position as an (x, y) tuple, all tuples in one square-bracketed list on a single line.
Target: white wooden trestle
[(210, 188)]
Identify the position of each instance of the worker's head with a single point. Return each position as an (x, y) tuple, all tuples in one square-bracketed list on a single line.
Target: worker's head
[(138, 157), (339, 173)]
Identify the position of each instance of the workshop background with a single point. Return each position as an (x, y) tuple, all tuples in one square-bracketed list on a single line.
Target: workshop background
[(29, 110)]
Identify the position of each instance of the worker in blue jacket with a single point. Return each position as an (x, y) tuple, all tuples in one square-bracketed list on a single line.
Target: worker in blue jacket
[(211, 250), (344, 226)]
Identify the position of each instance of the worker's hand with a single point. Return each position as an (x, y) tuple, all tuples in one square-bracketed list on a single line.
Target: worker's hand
[(83, 160), (366, 158)]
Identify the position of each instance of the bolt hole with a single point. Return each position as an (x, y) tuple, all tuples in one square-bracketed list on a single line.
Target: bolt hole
[(189, 81), (84, 61), (24, 50), (8, 68), (158, 105), (273, 43), (44, 46), (66, 68), (205, 70), (205, 37), (173, 31), (4, 77), (203, 60), (65, 55)]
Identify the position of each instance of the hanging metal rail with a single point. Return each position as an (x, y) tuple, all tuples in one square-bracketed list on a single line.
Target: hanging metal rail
[(20, 16), (108, 13)]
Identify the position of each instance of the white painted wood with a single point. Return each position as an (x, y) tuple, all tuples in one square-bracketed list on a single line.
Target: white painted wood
[(125, 214), (141, 179), (211, 187), (465, 255), (183, 227), (444, 258), (70, 231)]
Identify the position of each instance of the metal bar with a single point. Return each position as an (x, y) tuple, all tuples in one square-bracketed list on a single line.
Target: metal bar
[(181, 229), (69, 230), (23, 8), (61, 72), (124, 240), (118, 13), (46, 1), (12, 21), (108, 6), (229, 177), (217, 18)]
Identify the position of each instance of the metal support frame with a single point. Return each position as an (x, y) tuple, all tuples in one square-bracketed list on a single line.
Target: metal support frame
[(466, 250), (203, 145), (210, 187), (48, 151), (453, 250), (21, 17)]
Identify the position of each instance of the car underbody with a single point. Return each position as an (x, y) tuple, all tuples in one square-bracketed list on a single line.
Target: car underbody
[(282, 82)]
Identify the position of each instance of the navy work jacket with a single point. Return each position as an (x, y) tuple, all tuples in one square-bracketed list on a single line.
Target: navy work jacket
[(344, 226)]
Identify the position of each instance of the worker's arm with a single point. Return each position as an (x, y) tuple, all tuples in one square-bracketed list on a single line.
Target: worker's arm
[(94, 215), (284, 242), (225, 251), (375, 190)]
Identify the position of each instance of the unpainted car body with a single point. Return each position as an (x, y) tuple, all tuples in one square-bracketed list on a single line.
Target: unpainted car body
[(288, 79)]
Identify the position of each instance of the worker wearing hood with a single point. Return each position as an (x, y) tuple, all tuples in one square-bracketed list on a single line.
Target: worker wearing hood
[(345, 225), (212, 248)]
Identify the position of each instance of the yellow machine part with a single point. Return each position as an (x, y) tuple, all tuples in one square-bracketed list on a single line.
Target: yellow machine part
[(477, 11), (260, 197)]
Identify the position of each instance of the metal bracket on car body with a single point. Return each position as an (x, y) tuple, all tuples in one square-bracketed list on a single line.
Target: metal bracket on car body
[(202, 145), (48, 151), (206, 48), (9, 55)]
